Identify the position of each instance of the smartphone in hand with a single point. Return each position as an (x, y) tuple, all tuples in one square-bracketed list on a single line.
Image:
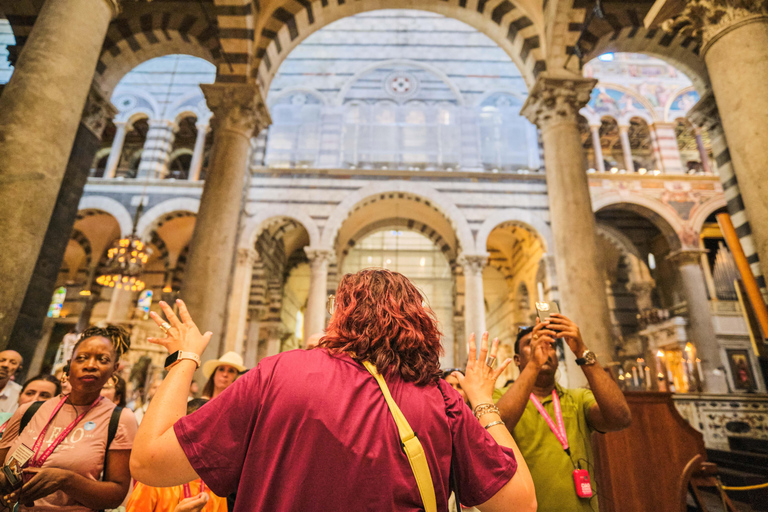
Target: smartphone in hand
[(545, 309)]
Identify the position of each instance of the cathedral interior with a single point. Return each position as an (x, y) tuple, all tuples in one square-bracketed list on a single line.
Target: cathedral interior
[(245, 154)]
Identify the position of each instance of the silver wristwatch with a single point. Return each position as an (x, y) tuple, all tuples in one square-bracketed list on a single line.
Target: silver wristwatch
[(588, 357)]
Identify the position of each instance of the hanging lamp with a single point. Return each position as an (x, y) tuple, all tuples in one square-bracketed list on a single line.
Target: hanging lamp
[(125, 261)]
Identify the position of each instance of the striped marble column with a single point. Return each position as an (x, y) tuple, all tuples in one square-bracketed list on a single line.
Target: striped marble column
[(669, 154), (705, 115), (157, 149)]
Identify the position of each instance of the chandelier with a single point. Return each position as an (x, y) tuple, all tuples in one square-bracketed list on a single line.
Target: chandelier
[(124, 265)]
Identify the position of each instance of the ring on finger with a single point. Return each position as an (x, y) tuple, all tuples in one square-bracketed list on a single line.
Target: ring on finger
[(535, 337), (490, 360), (165, 326)]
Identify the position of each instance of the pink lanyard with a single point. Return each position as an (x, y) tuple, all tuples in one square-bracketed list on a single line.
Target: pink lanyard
[(559, 429), (188, 491), (37, 461)]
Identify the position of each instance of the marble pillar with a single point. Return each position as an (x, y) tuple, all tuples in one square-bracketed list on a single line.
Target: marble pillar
[(121, 305), (734, 46), (237, 111), (40, 110), (27, 330), (274, 340), (669, 154), (626, 148), (314, 318), (705, 115), (553, 105), (199, 153), (237, 313), (121, 130), (252, 341), (157, 149), (474, 297), (701, 328), (702, 151), (598, 147)]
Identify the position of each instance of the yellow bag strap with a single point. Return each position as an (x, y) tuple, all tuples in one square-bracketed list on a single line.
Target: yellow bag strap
[(411, 445)]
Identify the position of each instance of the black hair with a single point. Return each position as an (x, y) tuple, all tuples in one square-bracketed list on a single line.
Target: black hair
[(195, 404), (447, 373), (521, 332), (117, 336), (120, 389), (44, 377)]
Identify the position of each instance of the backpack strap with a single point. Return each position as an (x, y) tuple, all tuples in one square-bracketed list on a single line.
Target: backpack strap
[(28, 414), (410, 444), (114, 422)]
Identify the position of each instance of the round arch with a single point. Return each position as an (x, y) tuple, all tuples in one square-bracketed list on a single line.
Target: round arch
[(151, 217), (255, 224), (110, 206), (703, 211), (525, 218), (516, 27), (116, 63), (661, 217), (428, 195), (677, 51)]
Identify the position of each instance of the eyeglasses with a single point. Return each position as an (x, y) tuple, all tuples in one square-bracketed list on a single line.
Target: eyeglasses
[(330, 304)]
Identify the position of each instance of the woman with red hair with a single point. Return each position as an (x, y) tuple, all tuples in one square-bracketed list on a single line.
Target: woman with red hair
[(310, 430)]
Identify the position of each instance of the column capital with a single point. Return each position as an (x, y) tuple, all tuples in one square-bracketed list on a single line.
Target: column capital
[(97, 112), (705, 114), (473, 263), (247, 256), (683, 257), (319, 255), (557, 99), (237, 107), (161, 123), (114, 5), (709, 20)]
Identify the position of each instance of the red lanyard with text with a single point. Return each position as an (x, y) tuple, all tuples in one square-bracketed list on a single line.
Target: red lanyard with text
[(188, 491), (559, 429), (37, 459)]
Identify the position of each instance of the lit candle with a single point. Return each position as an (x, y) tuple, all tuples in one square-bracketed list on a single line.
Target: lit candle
[(647, 378), (635, 378)]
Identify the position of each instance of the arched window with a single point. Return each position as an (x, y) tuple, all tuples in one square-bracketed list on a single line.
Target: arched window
[(506, 138), (180, 159), (133, 146), (641, 145), (693, 145), (611, 144)]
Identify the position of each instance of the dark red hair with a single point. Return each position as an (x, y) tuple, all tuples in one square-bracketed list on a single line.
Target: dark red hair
[(380, 317)]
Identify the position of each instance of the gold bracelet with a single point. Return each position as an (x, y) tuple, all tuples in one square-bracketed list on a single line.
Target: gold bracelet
[(494, 423), (483, 409)]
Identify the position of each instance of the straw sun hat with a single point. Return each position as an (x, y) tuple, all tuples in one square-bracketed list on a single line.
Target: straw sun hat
[(232, 359)]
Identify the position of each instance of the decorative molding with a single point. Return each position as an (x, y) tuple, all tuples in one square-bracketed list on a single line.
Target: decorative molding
[(709, 20), (236, 107), (719, 417), (247, 256), (114, 5), (554, 100)]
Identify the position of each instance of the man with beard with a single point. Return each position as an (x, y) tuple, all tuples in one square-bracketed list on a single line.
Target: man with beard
[(551, 424), (10, 362)]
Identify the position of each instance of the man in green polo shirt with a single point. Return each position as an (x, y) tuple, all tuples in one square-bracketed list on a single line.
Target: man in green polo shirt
[(583, 411)]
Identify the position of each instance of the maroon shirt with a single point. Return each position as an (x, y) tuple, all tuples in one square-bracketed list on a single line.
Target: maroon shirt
[(307, 431)]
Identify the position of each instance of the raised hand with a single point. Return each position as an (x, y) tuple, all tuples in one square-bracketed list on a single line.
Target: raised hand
[(542, 339), (182, 334), (479, 380), (566, 328)]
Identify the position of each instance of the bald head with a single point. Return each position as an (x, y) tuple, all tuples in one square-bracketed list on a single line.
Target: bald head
[(10, 362)]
